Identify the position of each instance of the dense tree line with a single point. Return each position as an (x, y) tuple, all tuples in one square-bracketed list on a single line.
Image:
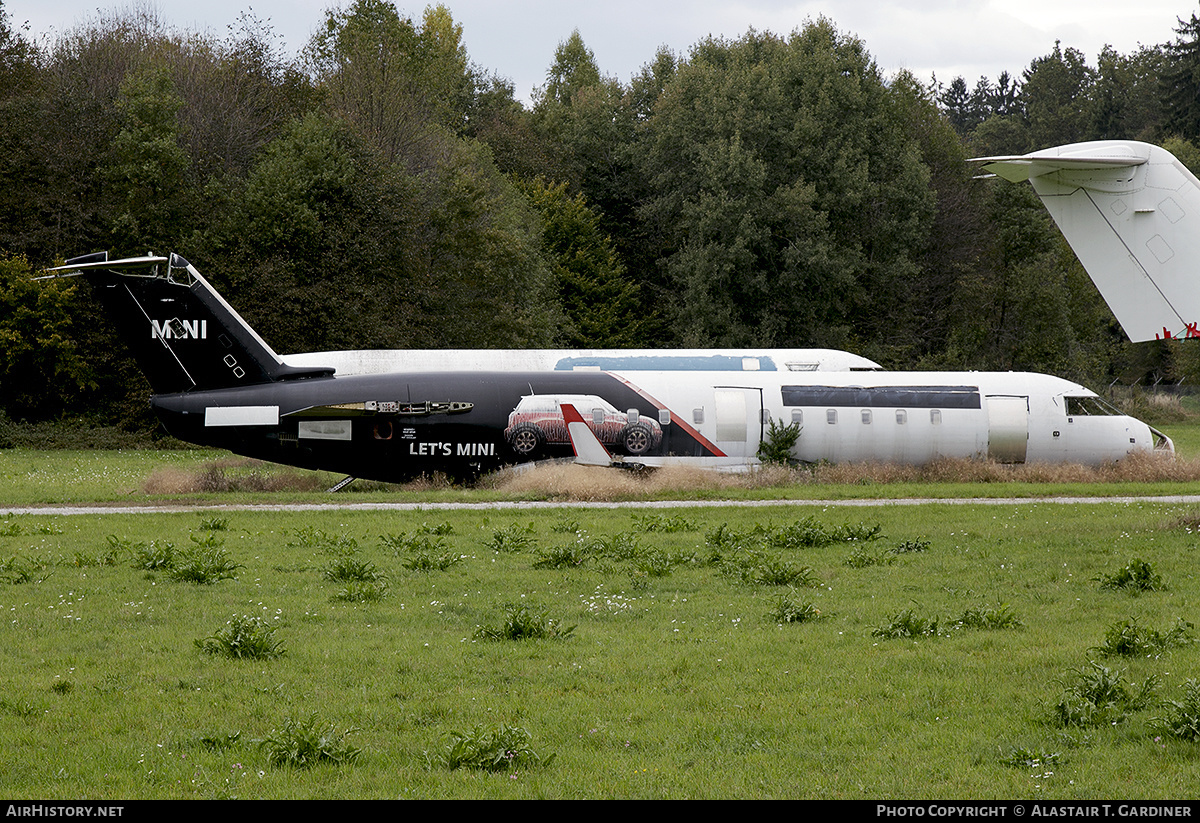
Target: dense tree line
[(381, 190)]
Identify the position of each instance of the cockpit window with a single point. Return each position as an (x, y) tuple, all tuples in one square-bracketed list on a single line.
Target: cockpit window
[(1084, 406)]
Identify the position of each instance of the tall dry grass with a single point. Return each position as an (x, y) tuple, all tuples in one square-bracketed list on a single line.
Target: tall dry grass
[(573, 482), (568, 481)]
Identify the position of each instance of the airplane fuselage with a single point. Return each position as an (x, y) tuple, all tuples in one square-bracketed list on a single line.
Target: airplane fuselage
[(398, 426)]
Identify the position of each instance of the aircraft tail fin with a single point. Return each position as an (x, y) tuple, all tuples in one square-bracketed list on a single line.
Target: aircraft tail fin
[(1131, 212), (589, 451), (183, 334)]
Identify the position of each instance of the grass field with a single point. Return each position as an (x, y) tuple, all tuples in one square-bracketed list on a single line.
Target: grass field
[(909, 652)]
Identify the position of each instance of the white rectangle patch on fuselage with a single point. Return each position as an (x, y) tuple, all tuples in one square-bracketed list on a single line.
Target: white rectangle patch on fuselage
[(324, 430), (241, 416)]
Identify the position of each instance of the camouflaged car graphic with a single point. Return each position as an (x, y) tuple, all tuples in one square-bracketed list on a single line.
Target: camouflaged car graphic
[(538, 420)]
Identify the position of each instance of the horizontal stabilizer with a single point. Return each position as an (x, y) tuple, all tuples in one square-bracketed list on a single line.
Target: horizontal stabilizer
[(100, 261), (589, 451), (1131, 213), (1097, 156)]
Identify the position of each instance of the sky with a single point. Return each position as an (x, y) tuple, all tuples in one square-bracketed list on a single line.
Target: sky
[(516, 39)]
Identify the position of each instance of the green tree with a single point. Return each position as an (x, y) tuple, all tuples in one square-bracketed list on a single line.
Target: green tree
[(238, 95), (587, 121), (923, 318), (790, 201), (320, 232), (1126, 101), (1028, 306), (1056, 94), (331, 246), (602, 307), (41, 367), (395, 80), (1180, 80), (145, 163), (574, 69)]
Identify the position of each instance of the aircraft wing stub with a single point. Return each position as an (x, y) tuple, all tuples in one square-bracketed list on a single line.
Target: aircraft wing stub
[(589, 451)]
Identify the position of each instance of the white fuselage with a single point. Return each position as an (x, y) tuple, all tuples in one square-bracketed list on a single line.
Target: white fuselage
[(902, 417)]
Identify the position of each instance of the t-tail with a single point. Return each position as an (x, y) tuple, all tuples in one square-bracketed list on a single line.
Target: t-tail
[(183, 335), (1131, 213)]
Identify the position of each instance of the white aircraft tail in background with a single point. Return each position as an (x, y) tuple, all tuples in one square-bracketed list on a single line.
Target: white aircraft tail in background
[(1131, 212)]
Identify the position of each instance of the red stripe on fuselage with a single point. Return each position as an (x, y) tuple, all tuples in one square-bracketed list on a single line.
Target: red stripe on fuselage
[(675, 419)]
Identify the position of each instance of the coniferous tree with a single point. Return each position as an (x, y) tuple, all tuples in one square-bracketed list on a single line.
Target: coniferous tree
[(1181, 81)]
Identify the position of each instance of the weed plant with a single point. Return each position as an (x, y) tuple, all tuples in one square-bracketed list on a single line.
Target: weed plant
[(303, 744), (17, 570), (1136, 576), (987, 617), (219, 741), (910, 547), (432, 560), (501, 748), (787, 610), (907, 623), (1128, 639), (203, 565), (863, 556), (759, 569), (522, 622), (361, 591), (155, 555), (321, 541), (514, 538), (24, 709), (424, 551), (1182, 718), (349, 569), (1099, 696), (571, 555), (243, 637), (664, 524)]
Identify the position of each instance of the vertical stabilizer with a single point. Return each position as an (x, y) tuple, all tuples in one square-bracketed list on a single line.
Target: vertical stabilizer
[(183, 335), (1131, 213)]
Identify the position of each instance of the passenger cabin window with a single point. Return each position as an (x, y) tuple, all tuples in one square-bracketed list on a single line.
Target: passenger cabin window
[(866, 417), (935, 416), (797, 416), (901, 416), (831, 416)]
